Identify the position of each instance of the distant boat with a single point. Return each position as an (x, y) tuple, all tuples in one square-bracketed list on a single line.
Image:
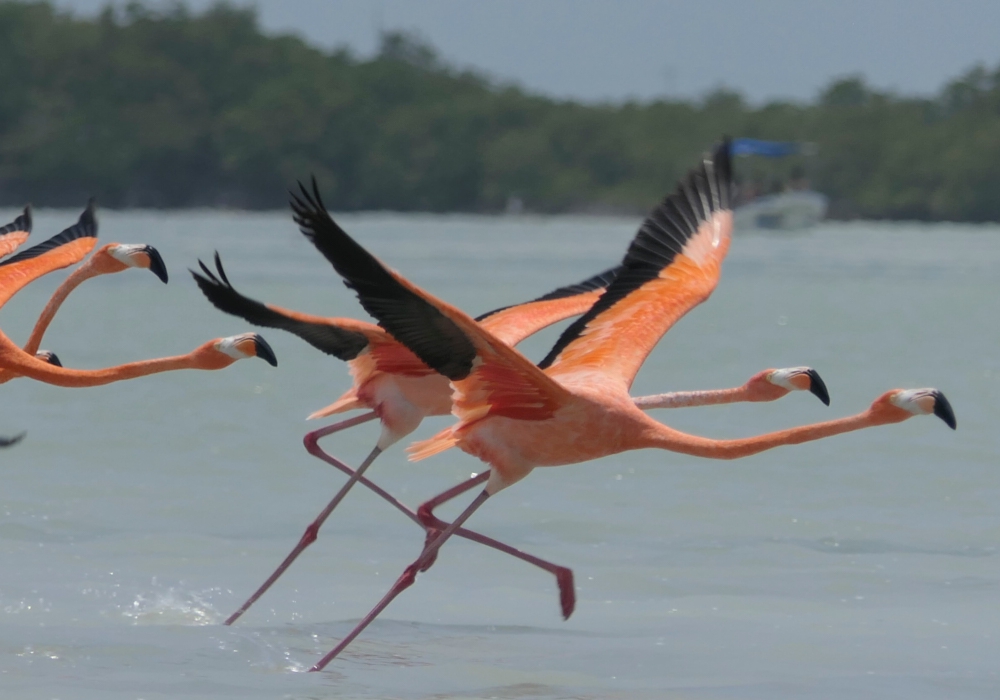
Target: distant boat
[(795, 208), (784, 211)]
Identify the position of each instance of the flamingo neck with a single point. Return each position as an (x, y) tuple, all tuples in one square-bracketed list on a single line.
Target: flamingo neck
[(74, 280), (663, 437), (13, 358), (679, 399)]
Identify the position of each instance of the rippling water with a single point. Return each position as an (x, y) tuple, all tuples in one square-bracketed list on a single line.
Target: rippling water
[(135, 517)]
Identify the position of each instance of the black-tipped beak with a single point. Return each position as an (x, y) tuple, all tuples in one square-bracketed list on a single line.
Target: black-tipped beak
[(51, 358), (156, 264), (7, 442), (943, 410), (818, 387), (264, 351)]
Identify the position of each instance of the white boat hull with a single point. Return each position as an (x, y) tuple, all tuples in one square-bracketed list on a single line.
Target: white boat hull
[(786, 211)]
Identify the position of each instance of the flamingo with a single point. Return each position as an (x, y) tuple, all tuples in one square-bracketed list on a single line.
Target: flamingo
[(68, 247), (15, 233), (574, 406), (401, 390), (108, 259)]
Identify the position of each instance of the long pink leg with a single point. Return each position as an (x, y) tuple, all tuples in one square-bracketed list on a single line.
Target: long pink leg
[(426, 518), (408, 577), (564, 576), (309, 536)]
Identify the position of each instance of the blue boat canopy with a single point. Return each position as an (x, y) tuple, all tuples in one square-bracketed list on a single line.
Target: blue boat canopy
[(768, 149)]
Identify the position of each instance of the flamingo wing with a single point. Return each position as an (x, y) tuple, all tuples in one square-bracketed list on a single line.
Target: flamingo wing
[(343, 338), (64, 249), (512, 324), (444, 337), (346, 339), (15, 233), (672, 265)]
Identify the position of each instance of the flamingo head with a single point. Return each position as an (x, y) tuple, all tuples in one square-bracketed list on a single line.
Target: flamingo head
[(224, 351), (772, 384), (115, 257), (899, 404)]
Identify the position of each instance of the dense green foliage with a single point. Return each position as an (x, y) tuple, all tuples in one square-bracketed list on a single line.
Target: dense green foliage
[(167, 108)]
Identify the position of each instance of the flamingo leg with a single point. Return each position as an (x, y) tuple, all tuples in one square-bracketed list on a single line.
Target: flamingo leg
[(426, 518), (408, 577), (434, 526), (312, 531), (564, 575)]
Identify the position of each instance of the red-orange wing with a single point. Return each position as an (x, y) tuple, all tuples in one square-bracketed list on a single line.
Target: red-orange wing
[(68, 247), (512, 324), (15, 233), (672, 265)]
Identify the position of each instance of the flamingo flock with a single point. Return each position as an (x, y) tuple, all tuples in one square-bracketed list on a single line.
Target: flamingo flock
[(425, 357), (68, 248)]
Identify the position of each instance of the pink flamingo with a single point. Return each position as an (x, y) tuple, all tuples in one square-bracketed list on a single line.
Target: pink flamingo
[(575, 405)]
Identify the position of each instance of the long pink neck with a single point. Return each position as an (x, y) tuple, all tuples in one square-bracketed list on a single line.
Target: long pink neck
[(49, 312), (12, 357), (658, 435), (681, 399)]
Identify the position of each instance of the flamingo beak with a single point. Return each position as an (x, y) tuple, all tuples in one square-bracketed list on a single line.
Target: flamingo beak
[(817, 386), (924, 402), (139, 255), (254, 345), (801, 379), (943, 410), (156, 264), (264, 350)]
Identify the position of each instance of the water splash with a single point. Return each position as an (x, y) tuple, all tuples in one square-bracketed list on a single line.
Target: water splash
[(173, 607)]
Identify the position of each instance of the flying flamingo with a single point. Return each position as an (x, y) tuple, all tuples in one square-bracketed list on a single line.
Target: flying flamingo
[(15, 233), (108, 259), (575, 405), (401, 390), (19, 271)]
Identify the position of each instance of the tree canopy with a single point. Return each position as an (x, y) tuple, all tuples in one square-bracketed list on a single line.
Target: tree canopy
[(168, 108)]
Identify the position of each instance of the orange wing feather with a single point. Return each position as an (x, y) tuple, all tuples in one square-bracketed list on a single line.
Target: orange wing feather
[(62, 250), (672, 265), (15, 233), (514, 324), (9, 242), (619, 340)]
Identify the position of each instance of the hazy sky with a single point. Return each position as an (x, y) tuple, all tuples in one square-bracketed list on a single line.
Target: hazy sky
[(613, 50)]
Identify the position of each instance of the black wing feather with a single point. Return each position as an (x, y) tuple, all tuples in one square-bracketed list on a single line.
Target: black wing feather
[(21, 223), (410, 319), (85, 227), (341, 343), (661, 237)]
